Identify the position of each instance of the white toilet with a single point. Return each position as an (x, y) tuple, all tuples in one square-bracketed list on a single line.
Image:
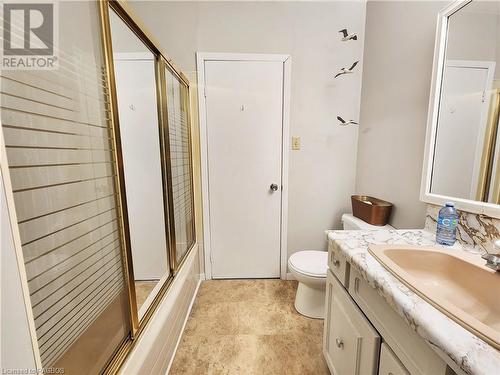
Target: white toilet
[(309, 269)]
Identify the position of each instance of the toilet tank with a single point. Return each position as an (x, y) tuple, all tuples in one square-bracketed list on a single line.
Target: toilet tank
[(350, 222)]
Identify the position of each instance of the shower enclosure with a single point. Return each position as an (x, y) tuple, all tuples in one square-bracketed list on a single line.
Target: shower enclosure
[(99, 159)]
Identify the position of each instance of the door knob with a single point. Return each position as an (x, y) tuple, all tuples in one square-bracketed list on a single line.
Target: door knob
[(274, 187)]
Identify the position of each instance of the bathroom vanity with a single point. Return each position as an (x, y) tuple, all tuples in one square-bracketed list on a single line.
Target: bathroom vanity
[(376, 324)]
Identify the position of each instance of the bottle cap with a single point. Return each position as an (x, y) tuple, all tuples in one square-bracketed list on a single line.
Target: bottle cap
[(449, 204)]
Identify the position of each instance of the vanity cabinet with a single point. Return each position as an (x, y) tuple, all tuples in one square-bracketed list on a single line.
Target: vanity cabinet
[(408, 346), (389, 363), (350, 343), (364, 335), (338, 264)]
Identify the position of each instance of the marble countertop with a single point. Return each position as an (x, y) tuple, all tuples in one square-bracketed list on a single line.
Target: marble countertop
[(468, 351)]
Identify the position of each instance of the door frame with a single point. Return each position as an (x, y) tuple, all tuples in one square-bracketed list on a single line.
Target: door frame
[(286, 60)]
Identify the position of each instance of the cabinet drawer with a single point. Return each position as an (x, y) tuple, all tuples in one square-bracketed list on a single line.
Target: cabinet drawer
[(338, 264), (389, 363), (350, 344), (417, 357)]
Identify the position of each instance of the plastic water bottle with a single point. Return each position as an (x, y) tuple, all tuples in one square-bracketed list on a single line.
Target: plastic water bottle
[(446, 233)]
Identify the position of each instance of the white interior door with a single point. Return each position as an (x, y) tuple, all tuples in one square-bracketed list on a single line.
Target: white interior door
[(244, 108), (462, 123)]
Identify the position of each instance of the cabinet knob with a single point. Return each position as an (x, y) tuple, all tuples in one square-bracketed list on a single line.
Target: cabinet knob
[(336, 262), (340, 343)]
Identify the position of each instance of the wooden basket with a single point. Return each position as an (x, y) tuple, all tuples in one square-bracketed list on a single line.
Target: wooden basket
[(372, 210)]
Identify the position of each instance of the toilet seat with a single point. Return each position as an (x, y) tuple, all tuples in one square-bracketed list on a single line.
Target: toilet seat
[(311, 263)]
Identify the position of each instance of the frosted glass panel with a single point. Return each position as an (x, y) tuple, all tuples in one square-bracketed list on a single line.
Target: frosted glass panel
[(60, 153), (180, 160)]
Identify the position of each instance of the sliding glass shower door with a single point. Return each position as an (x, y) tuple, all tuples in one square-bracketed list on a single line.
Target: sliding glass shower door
[(99, 157), (60, 152), (135, 67), (179, 136)]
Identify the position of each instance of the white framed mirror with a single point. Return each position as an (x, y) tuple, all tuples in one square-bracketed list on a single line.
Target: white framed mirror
[(462, 152)]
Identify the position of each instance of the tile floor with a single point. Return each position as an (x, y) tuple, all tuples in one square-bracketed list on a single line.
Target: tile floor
[(249, 327), (142, 290)]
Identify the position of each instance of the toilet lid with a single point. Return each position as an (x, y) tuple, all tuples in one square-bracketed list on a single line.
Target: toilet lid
[(310, 262)]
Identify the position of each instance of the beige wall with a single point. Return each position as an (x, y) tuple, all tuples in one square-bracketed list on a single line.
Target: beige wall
[(474, 33), (398, 56), (322, 173)]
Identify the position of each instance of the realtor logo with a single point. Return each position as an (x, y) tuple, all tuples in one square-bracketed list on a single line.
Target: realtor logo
[(29, 35)]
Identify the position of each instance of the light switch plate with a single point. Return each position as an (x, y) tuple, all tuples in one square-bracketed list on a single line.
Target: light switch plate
[(295, 143)]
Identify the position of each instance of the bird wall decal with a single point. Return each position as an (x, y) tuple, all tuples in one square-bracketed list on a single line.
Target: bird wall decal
[(347, 36), (346, 71), (345, 123)]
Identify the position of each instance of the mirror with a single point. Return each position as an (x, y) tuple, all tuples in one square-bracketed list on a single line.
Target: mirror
[(135, 67), (465, 144)]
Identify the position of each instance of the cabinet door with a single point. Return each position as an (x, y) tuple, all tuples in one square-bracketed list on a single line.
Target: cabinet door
[(409, 347), (389, 363), (350, 344)]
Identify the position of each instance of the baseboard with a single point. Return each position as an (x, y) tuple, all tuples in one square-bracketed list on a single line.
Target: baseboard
[(289, 276), (184, 324)]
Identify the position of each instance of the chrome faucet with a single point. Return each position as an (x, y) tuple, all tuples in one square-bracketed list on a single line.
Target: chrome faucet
[(493, 258)]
